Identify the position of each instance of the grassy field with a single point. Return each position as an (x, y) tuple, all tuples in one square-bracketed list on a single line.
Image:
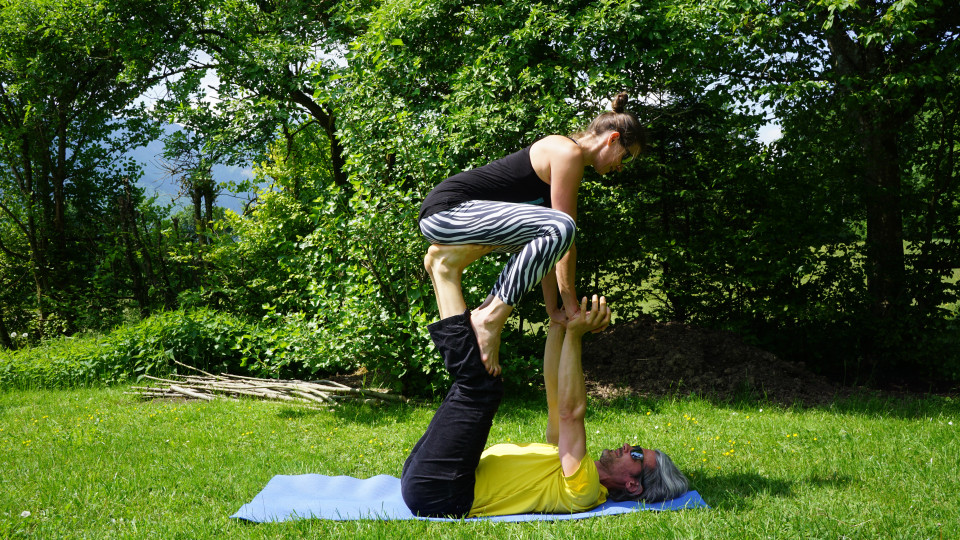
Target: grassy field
[(100, 464)]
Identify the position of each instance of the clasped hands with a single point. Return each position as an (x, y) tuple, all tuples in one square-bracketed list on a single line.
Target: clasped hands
[(595, 320)]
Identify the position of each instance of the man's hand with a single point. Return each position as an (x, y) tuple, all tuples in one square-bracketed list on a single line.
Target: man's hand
[(585, 321)]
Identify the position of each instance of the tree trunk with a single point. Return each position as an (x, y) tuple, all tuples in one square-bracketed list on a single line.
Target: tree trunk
[(885, 256), (326, 119), (128, 228), (5, 341), (879, 121)]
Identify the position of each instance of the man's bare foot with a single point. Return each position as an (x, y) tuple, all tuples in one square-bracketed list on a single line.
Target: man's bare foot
[(488, 337), (487, 322)]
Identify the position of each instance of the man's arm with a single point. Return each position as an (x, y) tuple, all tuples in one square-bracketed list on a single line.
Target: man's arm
[(571, 388), (551, 363)]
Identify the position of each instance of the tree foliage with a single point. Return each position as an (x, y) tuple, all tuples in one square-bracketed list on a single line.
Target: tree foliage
[(68, 112), (835, 244)]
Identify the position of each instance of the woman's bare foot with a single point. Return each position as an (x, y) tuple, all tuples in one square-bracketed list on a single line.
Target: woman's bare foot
[(487, 322)]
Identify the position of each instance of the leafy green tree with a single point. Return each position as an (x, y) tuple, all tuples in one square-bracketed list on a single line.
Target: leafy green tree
[(276, 64), (68, 112), (871, 69)]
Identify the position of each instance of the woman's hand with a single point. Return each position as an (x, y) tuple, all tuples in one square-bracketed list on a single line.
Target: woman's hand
[(557, 315)]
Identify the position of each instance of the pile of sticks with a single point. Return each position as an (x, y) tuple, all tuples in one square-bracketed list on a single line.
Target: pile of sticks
[(208, 387)]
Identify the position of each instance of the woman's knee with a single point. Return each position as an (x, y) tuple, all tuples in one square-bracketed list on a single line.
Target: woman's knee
[(565, 229)]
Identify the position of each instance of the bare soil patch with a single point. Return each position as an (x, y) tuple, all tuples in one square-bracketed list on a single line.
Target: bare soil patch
[(649, 358)]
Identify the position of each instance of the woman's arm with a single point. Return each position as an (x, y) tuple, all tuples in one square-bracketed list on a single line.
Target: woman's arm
[(565, 276), (550, 298), (566, 172)]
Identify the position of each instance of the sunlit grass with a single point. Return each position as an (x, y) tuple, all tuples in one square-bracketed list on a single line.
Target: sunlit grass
[(98, 463)]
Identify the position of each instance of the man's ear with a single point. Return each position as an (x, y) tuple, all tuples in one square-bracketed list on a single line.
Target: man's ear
[(633, 487)]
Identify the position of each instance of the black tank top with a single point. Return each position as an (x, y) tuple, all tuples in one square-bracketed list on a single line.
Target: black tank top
[(509, 179)]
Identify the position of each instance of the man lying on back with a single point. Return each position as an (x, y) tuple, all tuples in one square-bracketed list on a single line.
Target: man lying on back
[(449, 474)]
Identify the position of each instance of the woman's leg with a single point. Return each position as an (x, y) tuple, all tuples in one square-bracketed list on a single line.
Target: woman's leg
[(445, 264), (539, 237)]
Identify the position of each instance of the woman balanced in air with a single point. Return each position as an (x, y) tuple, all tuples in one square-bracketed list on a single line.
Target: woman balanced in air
[(524, 204)]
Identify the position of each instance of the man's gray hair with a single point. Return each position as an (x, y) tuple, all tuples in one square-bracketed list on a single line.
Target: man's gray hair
[(663, 482)]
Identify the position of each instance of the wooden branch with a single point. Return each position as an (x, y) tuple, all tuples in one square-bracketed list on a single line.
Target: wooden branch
[(209, 387), (190, 393)]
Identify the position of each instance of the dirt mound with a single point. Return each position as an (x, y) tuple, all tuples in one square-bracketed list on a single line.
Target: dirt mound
[(649, 358)]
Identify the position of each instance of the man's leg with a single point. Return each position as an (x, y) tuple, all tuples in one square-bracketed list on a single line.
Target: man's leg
[(439, 475)]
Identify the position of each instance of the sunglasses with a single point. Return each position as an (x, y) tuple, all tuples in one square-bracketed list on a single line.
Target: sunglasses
[(636, 453)]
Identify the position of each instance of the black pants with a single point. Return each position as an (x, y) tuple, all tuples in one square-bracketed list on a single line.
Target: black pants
[(440, 473)]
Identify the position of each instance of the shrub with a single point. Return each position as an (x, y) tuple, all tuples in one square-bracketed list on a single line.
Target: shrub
[(278, 346)]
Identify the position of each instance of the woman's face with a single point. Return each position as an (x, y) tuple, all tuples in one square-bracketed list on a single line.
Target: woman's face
[(614, 155)]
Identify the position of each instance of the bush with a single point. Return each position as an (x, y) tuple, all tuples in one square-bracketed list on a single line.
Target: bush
[(278, 346), (59, 363)]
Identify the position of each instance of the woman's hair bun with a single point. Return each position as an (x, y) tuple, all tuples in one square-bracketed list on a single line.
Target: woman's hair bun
[(619, 102)]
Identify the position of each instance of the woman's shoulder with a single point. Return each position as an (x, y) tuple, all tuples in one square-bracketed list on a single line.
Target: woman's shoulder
[(556, 143), (555, 147)]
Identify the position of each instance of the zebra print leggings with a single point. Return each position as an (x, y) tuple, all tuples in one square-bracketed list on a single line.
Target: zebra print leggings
[(537, 236)]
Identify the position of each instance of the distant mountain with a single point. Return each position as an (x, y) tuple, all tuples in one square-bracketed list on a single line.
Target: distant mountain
[(156, 180)]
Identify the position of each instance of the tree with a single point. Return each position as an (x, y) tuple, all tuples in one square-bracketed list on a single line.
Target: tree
[(276, 65), (872, 68), (67, 114)]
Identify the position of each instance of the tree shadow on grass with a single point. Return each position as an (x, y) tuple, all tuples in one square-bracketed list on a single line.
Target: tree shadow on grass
[(866, 403), (513, 408), (737, 491)]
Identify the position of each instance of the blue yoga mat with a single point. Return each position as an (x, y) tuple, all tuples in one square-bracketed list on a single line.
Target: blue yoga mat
[(344, 498)]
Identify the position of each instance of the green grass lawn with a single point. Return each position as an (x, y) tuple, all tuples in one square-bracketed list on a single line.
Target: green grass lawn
[(100, 464)]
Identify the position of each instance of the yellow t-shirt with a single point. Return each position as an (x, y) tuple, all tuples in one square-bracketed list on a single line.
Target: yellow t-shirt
[(518, 479)]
